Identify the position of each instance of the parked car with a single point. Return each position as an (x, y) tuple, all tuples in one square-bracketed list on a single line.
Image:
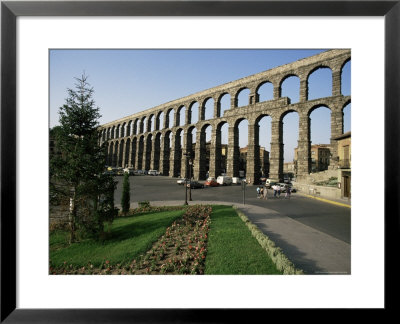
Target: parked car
[(211, 182), (181, 181), (236, 180), (153, 172), (131, 171), (224, 180), (195, 185)]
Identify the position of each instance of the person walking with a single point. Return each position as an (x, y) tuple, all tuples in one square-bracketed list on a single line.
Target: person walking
[(288, 192), (275, 190), (278, 189), (258, 192), (265, 193)]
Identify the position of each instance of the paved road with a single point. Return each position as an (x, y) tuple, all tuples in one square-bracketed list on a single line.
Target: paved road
[(329, 219)]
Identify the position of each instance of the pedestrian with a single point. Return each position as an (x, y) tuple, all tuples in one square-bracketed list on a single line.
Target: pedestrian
[(258, 192), (278, 189), (275, 190), (261, 192), (288, 192), (265, 193)]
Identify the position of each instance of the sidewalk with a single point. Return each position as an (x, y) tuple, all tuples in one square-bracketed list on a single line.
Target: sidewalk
[(309, 249)]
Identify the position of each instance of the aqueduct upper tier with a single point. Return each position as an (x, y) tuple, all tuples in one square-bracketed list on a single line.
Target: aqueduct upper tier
[(158, 138)]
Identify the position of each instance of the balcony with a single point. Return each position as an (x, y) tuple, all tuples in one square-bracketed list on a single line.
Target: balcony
[(345, 164)]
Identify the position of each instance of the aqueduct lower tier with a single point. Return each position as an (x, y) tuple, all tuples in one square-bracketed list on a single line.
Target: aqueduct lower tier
[(141, 141)]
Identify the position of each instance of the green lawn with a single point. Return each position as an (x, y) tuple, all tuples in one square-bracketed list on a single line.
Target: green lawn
[(129, 237), (231, 247)]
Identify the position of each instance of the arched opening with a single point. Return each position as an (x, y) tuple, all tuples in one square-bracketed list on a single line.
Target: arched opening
[(142, 126), (140, 165), (149, 148), (115, 155), (290, 87), (320, 128), (190, 148), (265, 92), (150, 124), (194, 113), (178, 153), (320, 83), (133, 153), (166, 153), (129, 128), (170, 119), (347, 118), (205, 145), (290, 141), (208, 109), (136, 127), (157, 150), (160, 121), (346, 79), (264, 143), (127, 152), (180, 116), (118, 132), (113, 132), (221, 149), (224, 103), (241, 147), (242, 97)]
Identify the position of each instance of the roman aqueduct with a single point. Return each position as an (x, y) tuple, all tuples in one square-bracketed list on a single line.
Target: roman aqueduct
[(142, 141)]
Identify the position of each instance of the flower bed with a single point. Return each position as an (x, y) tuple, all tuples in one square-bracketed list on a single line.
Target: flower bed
[(181, 250)]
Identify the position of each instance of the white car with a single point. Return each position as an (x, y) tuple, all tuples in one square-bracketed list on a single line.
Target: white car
[(181, 181)]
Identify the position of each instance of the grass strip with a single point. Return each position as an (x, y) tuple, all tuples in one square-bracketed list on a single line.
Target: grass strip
[(128, 238), (275, 253), (231, 247)]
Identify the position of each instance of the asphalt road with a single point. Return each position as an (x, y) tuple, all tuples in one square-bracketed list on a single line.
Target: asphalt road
[(325, 217)]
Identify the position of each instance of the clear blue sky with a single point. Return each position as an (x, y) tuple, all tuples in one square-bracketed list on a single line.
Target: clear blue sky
[(130, 81)]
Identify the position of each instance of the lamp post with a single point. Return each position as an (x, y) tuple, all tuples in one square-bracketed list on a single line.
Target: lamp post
[(187, 155), (190, 176)]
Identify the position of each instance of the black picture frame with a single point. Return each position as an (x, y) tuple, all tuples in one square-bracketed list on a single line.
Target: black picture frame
[(10, 10)]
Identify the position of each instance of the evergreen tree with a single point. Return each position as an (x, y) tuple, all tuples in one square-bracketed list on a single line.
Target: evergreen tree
[(125, 199), (80, 162)]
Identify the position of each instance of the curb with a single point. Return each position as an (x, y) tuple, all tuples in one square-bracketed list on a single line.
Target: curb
[(280, 260), (327, 200)]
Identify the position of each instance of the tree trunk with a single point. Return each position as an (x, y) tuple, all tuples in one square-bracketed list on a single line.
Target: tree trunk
[(72, 215)]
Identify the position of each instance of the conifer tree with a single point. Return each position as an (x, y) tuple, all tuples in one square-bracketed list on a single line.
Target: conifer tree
[(81, 161)]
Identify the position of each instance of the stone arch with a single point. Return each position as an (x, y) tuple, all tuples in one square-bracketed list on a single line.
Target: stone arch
[(133, 153), (169, 118), (160, 120), (121, 153), (319, 82), (148, 147), (155, 158), (262, 142), (346, 113), (142, 128), (345, 77), (264, 91), (180, 116), (207, 109), (176, 157), (166, 152), (202, 152), (224, 103), (127, 152), (242, 97), (291, 89), (113, 132), (129, 128), (193, 113), (140, 153), (150, 123), (136, 127)]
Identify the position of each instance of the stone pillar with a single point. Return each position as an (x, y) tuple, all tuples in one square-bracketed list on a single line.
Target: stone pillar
[(233, 152), (215, 153), (304, 148), (277, 90), (132, 155), (188, 115), (253, 155), (162, 152), (217, 108), (175, 157), (234, 102), (336, 83), (122, 154), (252, 98), (200, 112), (303, 89), (153, 155), (336, 130), (197, 160), (276, 155), (139, 154), (184, 159)]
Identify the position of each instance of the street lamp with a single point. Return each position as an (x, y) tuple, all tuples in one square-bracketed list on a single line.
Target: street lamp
[(188, 155)]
